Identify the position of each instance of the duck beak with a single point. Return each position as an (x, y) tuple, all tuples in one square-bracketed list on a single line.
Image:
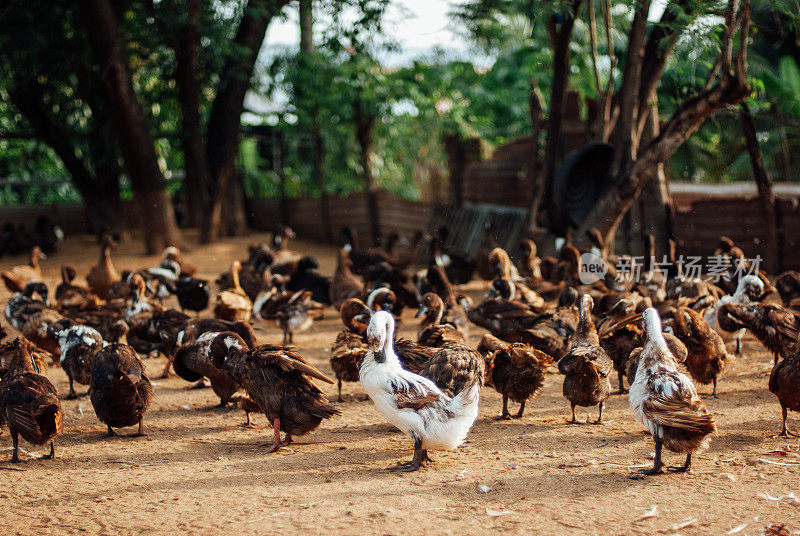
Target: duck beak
[(421, 311), (491, 294)]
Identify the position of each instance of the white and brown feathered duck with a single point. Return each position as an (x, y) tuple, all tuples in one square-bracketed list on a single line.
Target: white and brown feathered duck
[(433, 419), (664, 399)]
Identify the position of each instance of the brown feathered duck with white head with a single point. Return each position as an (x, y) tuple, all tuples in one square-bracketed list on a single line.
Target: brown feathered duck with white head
[(586, 365), (278, 380), (664, 399), (776, 327), (29, 403)]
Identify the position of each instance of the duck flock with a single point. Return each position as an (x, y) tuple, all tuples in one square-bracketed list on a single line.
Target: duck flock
[(664, 332)]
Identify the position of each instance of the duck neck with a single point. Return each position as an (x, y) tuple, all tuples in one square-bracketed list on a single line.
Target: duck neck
[(434, 316), (586, 329)]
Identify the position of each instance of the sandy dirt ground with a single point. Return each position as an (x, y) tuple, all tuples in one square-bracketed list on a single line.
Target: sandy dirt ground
[(200, 471)]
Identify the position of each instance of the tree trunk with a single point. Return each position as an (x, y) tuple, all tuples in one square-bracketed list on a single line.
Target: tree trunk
[(197, 182), (223, 123), (130, 124), (306, 8), (365, 123), (554, 147), (774, 262), (534, 173)]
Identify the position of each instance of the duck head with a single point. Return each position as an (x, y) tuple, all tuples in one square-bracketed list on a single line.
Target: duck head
[(379, 335), (381, 299), (432, 307), (36, 287), (750, 287), (652, 327), (68, 274), (501, 288), (223, 344), (355, 315), (137, 285), (568, 298)]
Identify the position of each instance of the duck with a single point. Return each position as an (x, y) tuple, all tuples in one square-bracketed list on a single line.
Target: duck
[(103, 274), (485, 264), (664, 399), (384, 299), (784, 382), (191, 331), (254, 275), (306, 277), (72, 297), (246, 404), (514, 370), (279, 380), (586, 365), (459, 268), (193, 294), (432, 419), (529, 264), (455, 313), (775, 326), (192, 361), (120, 391), (17, 276), (233, 304), (350, 347), (33, 316), (384, 275), (78, 344), (173, 254), (108, 320), (707, 353), (157, 332), (788, 286), (503, 316), (748, 290), (270, 301), (161, 280), (362, 260), (432, 332), (29, 404), (345, 285), (48, 235), (297, 314), (284, 260)]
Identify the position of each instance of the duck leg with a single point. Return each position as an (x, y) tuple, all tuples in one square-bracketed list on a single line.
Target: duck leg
[(574, 420), (141, 432), (622, 389), (658, 465), (784, 430), (738, 345), (505, 415), (249, 423), (52, 454), (72, 393), (686, 467), (165, 372), (600, 414), (111, 432), (714, 392), (340, 399), (276, 437), (521, 409), (15, 443)]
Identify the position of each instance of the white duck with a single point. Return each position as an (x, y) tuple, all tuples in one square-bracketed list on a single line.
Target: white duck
[(412, 402), (665, 401), (747, 290)]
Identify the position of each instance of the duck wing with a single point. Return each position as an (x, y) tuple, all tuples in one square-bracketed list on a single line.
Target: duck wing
[(286, 359), (674, 402)]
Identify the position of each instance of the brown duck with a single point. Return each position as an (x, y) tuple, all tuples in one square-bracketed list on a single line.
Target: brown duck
[(29, 403), (345, 285), (432, 332), (349, 348), (103, 274), (16, 277), (278, 379), (707, 353), (586, 366), (515, 370), (233, 304), (120, 390), (784, 382)]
